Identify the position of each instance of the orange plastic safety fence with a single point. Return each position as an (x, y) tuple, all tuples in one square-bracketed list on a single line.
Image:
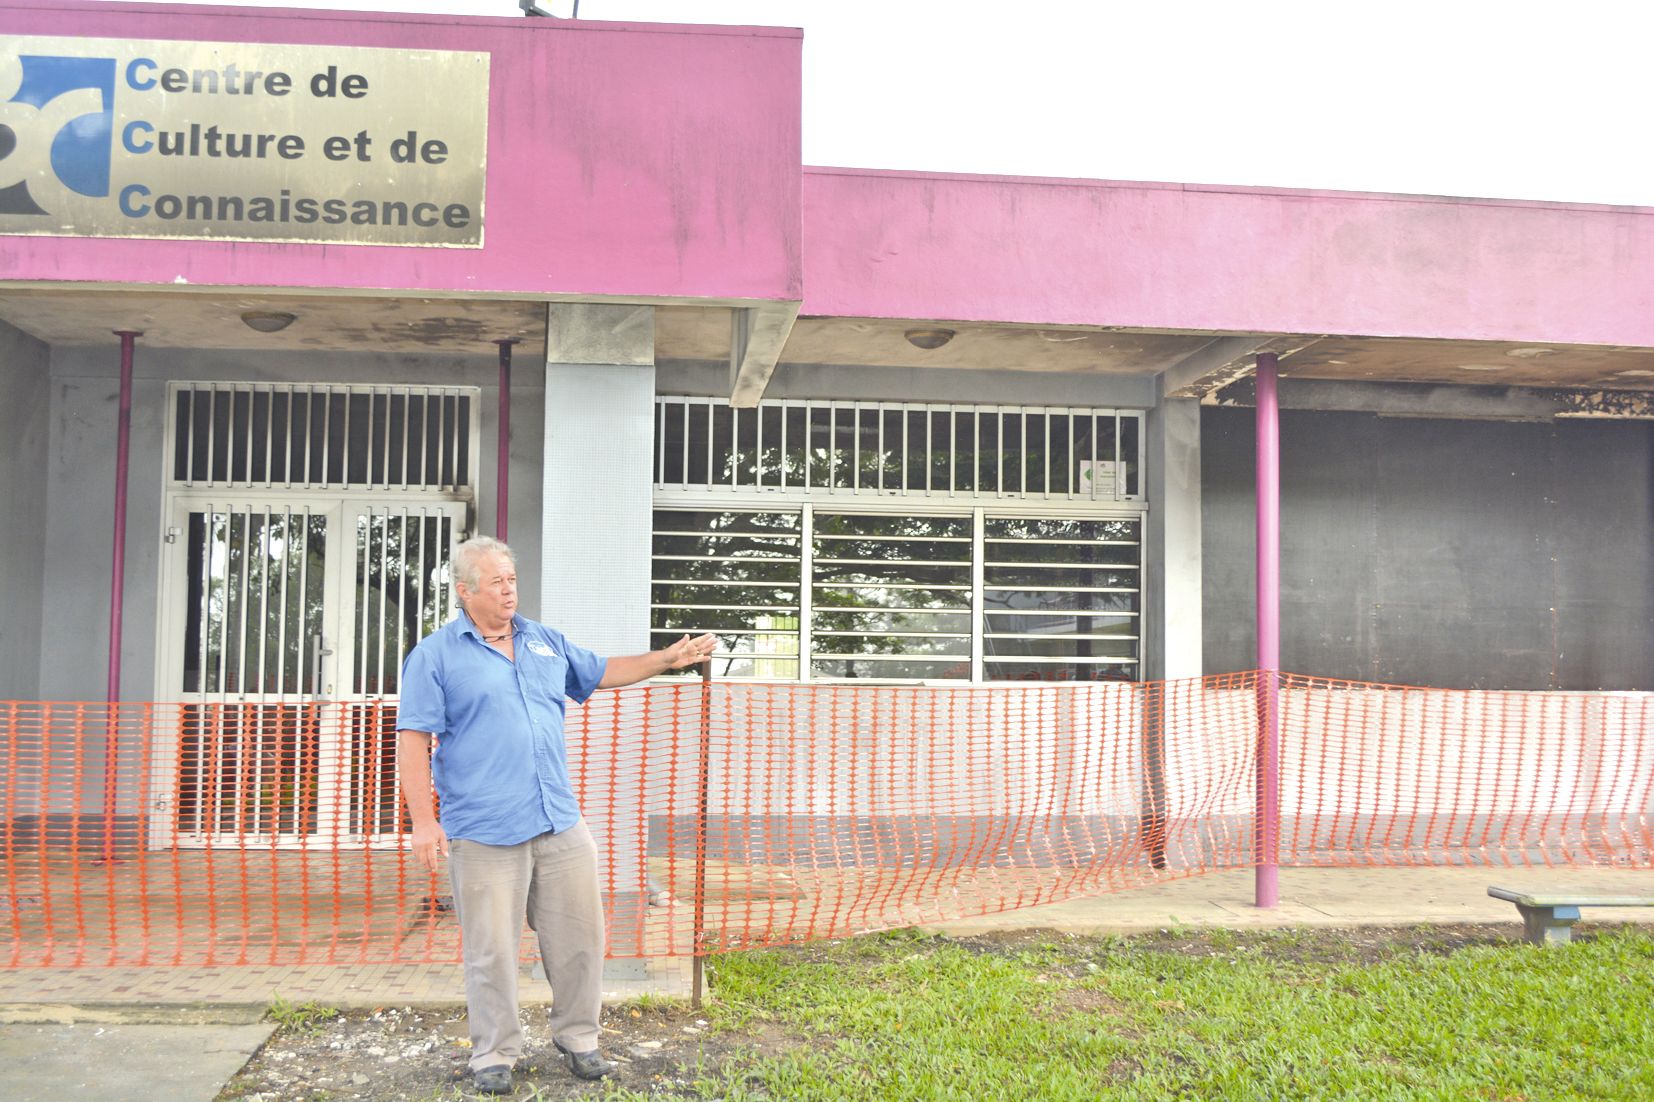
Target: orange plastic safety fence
[(1376, 775), (754, 814)]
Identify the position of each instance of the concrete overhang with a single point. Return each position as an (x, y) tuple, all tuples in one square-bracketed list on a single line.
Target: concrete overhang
[(1385, 374)]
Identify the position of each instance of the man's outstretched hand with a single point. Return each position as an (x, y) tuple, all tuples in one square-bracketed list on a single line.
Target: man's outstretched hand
[(620, 672), (690, 652)]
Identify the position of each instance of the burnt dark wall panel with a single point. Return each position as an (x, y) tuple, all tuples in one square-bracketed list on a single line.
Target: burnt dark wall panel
[(1463, 573), (1608, 588), (1472, 554)]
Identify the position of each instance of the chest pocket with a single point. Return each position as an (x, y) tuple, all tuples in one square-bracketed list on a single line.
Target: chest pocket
[(546, 671)]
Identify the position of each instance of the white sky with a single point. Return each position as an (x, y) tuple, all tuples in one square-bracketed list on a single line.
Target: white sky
[(1526, 99)]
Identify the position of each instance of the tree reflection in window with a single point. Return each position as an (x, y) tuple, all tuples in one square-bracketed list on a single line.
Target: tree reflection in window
[(734, 573), (893, 596), (1061, 598)]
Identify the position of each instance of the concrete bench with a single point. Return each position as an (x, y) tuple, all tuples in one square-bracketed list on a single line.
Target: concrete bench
[(1549, 919)]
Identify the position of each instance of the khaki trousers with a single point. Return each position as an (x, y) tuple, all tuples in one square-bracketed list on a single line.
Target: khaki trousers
[(552, 881)]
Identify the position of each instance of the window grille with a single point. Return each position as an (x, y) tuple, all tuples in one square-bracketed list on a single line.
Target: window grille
[(254, 600), (963, 595), (900, 541), (891, 596), (305, 436), (403, 591), (736, 574), (898, 448), (1060, 598)]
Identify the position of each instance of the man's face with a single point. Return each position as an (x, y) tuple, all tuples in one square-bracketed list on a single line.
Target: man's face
[(494, 601)]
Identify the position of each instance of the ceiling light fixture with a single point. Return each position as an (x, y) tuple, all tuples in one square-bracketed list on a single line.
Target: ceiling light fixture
[(268, 321), (928, 338)]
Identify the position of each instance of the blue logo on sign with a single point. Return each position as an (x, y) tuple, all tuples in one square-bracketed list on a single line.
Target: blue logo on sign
[(66, 107)]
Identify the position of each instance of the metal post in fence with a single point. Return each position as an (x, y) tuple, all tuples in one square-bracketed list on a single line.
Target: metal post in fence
[(702, 771), (1267, 821), (1152, 820)]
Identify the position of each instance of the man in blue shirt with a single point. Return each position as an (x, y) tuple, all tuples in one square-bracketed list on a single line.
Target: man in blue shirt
[(490, 686)]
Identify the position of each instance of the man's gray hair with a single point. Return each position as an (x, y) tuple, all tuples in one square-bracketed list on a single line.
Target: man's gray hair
[(468, 557)]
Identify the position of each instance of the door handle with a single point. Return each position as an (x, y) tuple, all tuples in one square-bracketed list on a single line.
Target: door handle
[(321, 650)]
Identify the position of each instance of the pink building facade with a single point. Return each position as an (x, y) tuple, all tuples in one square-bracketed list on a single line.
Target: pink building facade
[(625, 204), (389, 280)]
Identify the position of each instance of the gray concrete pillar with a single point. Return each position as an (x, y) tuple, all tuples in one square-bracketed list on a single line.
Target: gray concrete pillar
[(1171, 615), (597, 499), (1171, 578), (596, 521)]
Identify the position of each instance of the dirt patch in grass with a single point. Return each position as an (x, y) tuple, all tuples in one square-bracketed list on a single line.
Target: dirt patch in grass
[(412, 1054), (1081, 1000)]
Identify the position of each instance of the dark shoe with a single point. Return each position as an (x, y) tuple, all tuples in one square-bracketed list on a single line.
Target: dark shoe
[(586, 1065), (494, 1080)]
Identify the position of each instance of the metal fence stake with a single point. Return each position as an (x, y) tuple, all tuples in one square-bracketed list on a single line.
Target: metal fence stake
[(703, 768)]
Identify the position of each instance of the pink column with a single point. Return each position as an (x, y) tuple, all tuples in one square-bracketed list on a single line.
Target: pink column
[(502, 476), (117, 572), (1267, 823), (117, 588)]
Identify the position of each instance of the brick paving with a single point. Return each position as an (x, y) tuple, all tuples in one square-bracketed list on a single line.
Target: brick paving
[(369, 985)]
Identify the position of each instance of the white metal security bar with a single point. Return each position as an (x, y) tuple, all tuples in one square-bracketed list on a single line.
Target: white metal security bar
[(1055, 453), (323, 436)]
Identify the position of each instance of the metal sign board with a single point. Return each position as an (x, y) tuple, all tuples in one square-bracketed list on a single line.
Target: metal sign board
[(242, 141)]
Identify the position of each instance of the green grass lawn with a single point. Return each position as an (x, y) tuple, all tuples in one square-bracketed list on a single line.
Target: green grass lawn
[(1213, 1015)]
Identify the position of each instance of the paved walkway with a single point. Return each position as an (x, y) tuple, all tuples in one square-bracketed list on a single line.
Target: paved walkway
[(112, 1058), (1323, 897), (217, 1011)]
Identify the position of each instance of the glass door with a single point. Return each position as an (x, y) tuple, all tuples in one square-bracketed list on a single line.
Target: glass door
[(247, 652), (285, 625), (401, 590)]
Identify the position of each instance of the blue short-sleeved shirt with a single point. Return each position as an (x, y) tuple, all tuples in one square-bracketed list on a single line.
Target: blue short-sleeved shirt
[(501, 765)]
